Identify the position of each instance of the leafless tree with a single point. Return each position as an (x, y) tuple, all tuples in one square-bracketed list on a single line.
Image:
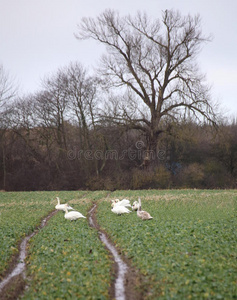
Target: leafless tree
[(156, 62), (8, 91), (55, 101), (69, 98), (82, 93), (7, 88)]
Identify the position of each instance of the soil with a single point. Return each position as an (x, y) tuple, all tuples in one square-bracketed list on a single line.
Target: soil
[(13, 288)]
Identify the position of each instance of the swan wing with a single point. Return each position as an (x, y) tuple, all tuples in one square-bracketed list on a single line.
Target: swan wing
[(70, 208), (120, 210), (81, 215), (125, 209), (123, 202), (144, 215), (60, 207), (73, 215)]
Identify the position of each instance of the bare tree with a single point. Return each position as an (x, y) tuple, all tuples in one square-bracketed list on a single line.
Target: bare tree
[(7, 92), (82, 92), (7, 88), (55, 101), (69, 98), (156, 61)]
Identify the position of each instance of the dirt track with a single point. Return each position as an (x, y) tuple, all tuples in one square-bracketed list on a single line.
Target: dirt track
[(131, 278)]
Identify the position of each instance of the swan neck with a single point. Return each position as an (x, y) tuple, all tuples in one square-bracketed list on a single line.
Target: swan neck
[(139, 204)]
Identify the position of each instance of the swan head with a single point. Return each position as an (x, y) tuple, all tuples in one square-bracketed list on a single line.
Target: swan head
[(113, 202), (135, 205)]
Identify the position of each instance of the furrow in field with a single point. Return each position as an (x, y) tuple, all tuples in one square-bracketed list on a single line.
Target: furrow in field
[(13, 283), (125, 277)]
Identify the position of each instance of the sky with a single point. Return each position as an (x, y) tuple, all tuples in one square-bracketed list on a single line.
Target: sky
[(37, 38)]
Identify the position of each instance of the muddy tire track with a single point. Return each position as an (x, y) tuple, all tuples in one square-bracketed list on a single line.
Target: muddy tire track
[(13, 283), (127, 280)]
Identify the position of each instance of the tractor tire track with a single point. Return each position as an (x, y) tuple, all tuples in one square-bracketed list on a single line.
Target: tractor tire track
[(13, 283), (127, 280)]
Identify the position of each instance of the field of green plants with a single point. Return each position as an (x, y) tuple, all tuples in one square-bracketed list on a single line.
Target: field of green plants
[(187, 251)]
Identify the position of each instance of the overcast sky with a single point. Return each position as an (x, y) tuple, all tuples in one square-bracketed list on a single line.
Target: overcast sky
[(37, 38)]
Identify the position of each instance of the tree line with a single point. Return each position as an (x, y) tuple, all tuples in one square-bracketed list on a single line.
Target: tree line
[(144, 119)]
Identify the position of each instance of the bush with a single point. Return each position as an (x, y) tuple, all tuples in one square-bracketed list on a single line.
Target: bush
[(191, 176), (145, 179), (216, 176)]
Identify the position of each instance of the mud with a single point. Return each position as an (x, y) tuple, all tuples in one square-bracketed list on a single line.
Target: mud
[(13, 283), (127, 280)]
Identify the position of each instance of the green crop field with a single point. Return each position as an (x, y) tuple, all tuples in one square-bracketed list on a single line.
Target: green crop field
[(187, 251)]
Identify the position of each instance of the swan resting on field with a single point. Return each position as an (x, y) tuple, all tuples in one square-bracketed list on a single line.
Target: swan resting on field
[(144, 215), (124, 202), (119, 209), (62, 206), (72, 215)]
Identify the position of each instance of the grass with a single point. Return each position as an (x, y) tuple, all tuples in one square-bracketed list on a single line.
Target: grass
[(67, 258), (20, 213), (188, 251)]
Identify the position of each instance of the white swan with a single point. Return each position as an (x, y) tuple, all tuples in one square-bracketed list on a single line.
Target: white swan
[(119, 209), (62, 206), (72, 215), (124, 202), (135, 205), (144, 215)]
